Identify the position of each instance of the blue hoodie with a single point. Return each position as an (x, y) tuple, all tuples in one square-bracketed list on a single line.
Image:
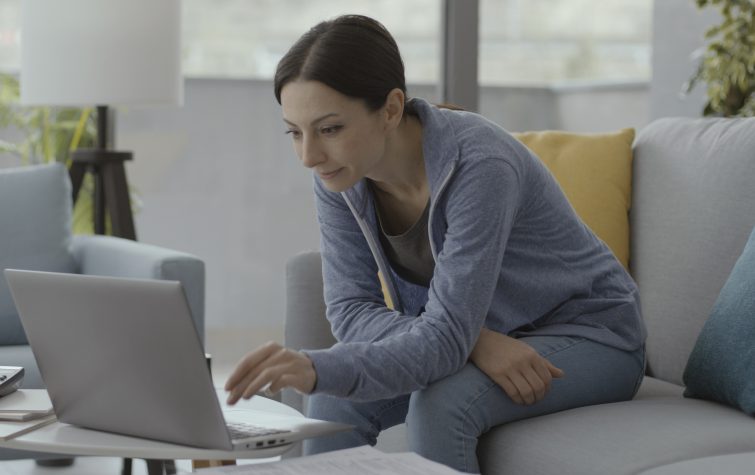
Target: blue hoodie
[(510, 255)]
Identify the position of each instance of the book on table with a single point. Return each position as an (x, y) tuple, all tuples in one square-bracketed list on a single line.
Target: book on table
[(25, 405), (23, 411), (22, 416), (12, 429)]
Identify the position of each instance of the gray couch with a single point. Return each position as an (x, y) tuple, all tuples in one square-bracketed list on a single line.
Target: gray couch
[(693, 208), (35, 234)]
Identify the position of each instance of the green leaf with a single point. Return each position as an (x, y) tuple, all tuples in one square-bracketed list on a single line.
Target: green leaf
[(728, 64)]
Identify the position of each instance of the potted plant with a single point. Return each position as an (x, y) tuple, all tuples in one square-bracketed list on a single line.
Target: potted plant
[(49, 134), (727, 63)]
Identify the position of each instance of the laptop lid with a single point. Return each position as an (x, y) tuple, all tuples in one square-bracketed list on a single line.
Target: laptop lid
[(120, 355)]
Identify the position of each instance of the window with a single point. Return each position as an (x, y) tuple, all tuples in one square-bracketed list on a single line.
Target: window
[(521, 41), (536, 42), (10, 35), (246, 39)]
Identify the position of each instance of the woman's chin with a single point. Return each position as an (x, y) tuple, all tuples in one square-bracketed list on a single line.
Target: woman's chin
[(336, 188), (338, 183)]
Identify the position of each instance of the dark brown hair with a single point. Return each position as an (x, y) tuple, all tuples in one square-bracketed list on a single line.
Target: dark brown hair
[(352, 54)]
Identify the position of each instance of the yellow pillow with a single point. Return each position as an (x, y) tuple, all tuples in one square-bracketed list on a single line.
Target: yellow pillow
[(595, 172)]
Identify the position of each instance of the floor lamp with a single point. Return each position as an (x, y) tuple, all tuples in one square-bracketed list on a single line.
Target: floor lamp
[(102, 53)]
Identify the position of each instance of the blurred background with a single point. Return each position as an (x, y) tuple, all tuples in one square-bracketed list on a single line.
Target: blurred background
[(218, 178)]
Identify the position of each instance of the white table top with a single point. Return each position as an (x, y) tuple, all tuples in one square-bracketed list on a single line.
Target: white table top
[(67, 439)]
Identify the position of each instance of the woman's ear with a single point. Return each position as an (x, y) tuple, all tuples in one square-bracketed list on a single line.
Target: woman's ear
[(394, 108)]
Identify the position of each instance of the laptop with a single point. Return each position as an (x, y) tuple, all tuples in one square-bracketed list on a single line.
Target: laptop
[(124, 356)]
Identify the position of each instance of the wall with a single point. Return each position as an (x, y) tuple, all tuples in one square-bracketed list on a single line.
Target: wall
[(585, 108), (678, 31), (219, 179)]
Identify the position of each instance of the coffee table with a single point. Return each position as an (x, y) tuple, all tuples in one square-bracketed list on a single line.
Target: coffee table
[(61, 438)]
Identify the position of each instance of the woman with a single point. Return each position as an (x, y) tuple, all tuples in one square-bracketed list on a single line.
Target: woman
[(506, 305)]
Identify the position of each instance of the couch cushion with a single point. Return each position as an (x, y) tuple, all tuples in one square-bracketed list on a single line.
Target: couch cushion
[(722, 364), (619, 438), (652, 388), (35, 231), (595, 172), (692, 212), (731, 464)]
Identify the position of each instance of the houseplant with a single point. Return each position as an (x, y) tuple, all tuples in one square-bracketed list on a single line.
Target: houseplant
[(727, 63), (49, 134)]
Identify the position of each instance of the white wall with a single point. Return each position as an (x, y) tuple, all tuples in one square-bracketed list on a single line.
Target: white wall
[(678, 30), (584, 108), (219, 179)]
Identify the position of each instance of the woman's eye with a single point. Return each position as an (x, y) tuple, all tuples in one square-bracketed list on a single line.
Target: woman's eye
[(330, 130), (294, 133)]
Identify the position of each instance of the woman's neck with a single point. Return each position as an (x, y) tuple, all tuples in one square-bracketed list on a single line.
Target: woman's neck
[(401, 174)]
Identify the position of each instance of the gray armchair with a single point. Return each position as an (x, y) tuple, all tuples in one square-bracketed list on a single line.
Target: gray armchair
[(35, 234)]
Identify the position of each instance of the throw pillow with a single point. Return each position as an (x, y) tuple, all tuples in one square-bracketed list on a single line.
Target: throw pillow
[(595, 172), (721, 366)]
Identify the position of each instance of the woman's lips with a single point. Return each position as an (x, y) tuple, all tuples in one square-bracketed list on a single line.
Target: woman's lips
[(328, 176)]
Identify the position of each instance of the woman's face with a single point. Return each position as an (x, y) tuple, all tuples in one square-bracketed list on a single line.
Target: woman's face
[(334, 135)]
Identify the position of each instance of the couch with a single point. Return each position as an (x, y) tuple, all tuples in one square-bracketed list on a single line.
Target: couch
[(35, 234), (692, 210)]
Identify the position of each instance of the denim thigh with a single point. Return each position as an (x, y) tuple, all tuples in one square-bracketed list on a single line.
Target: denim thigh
[(445, 419), (369, 419)]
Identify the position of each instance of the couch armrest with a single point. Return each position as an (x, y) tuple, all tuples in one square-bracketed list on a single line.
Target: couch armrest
[(116, 257), (306, 326)]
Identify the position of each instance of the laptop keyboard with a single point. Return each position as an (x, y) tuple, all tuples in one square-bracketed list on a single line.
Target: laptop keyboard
[(242, 430)]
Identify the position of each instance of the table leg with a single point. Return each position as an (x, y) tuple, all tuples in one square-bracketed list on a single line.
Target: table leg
[(197, 464), (155, 467), (127, 464)]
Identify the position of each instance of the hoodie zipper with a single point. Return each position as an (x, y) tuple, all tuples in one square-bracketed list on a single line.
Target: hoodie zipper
[(432, 209)]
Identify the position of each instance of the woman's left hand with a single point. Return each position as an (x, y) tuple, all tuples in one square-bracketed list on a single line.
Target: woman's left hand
[(515, 366), (273, 366)]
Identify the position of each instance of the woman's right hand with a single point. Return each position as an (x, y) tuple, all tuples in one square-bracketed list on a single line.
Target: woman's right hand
[(274, 367), (524, 375)]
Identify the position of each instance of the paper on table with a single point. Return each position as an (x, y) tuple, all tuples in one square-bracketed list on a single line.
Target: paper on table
[(22, 415), (362, 460), (10, 430), (26, 400)]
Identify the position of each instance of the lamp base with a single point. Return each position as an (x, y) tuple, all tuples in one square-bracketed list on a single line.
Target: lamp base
[(110, 188)]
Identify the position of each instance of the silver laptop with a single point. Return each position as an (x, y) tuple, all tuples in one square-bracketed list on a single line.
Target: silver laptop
[(123, 355)]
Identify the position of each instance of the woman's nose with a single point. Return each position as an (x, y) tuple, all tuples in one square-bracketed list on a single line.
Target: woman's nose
[(311, 155)]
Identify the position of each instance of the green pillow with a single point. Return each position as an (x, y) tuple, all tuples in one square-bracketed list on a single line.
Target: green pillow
[(722, 364)]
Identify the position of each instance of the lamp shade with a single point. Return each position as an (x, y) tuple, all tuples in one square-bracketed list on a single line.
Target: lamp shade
[(90, 52)]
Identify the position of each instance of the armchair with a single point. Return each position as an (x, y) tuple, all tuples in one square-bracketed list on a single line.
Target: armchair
[(35, 234)]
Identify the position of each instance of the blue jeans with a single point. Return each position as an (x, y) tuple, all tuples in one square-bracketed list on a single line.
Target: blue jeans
[(445, 419)]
